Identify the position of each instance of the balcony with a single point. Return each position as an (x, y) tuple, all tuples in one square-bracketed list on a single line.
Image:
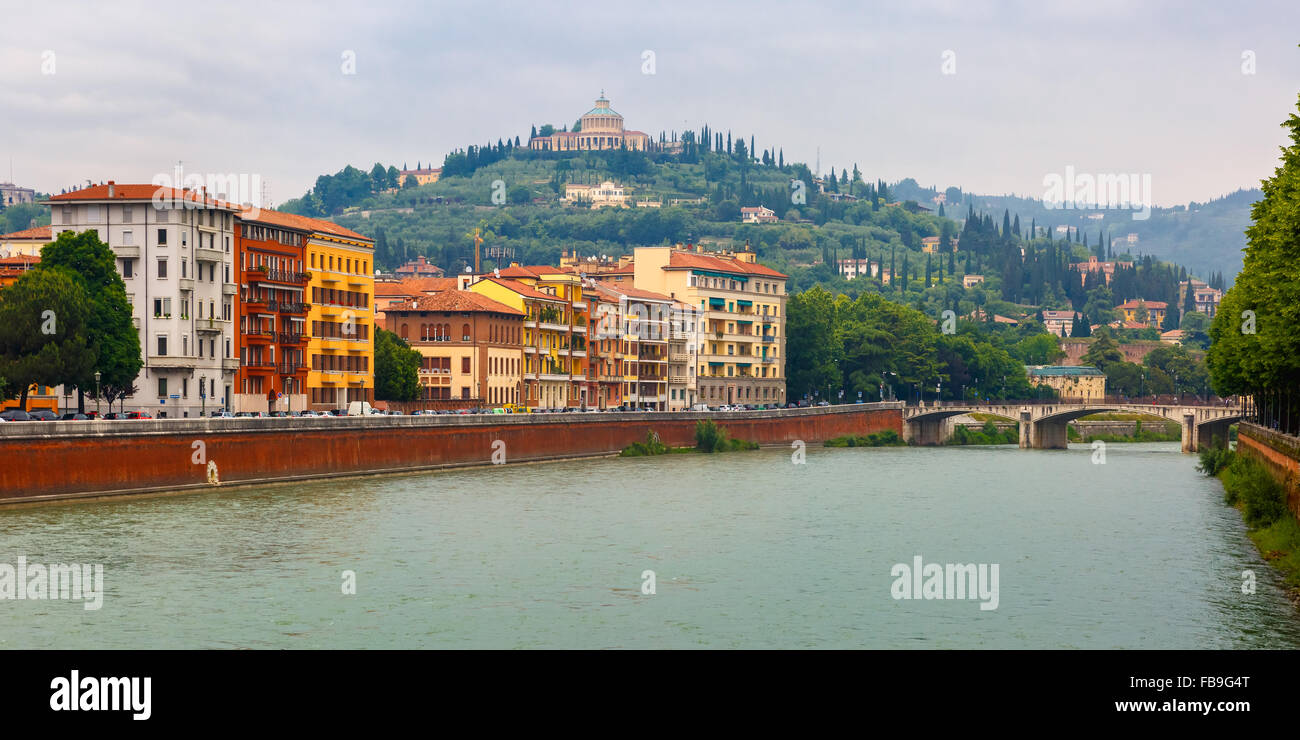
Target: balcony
[(129, 251), (172, 361), (259, 367), (679, 357), (186, 284), (293, 307), (283, 277), (211, 326), (230, 363), (767, 338), (204, 254), (255, 336), (292, 368), (254, 305), (229, 289), (293, 338)]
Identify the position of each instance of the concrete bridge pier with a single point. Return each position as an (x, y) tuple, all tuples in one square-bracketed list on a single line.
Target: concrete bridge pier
[(929, 432), (1207, 434), (1189, 433), (1026, 430), (1051, 435)]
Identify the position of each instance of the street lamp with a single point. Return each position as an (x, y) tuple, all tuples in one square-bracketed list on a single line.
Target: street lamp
[(97, 375), (203, 395)]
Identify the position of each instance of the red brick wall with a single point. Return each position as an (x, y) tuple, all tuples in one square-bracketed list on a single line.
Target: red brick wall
[(163, 455), (1278, 454)]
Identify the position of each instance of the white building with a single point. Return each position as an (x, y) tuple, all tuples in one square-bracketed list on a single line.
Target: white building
[(607, 194), (686, 336), (175, 252), (759, 215)]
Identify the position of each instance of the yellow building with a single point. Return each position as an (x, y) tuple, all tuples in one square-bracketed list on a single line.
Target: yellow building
[(340, 317), (423, 176), (741, 319), (1071, 382), (554, 349), (26, 243), (1144, 312)]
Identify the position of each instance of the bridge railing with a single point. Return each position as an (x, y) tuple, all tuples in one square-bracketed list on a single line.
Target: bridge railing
[(1166, 400)]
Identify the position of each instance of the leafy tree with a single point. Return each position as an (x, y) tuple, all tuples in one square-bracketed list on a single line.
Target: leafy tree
[(43, 330), (1104, 352), (113, 341), (397, 368)]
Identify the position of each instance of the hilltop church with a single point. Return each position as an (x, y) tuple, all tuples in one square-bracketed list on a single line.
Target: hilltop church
[(600, 128)]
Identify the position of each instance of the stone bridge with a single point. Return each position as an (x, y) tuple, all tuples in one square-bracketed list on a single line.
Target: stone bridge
[(1043, 425)]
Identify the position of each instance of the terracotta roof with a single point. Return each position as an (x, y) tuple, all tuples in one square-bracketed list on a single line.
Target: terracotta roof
[(301, 223), (454, 301), (614, 291), (141, 192), (691, 260), (1149, 304), (413, 286), (526, 291), (1058, 315), (22, 259), (422, 171), (517, 271), (39, 232)]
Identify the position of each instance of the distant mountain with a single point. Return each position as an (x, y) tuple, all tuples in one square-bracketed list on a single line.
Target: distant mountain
[(1204, 237)]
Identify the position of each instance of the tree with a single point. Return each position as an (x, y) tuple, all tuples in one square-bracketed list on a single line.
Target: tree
[(43, 331), (1104, 352), (397, 368), (114, 343), (411, 182)]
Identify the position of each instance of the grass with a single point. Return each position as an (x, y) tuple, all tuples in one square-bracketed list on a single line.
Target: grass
[(1249, 487), (887, 438)]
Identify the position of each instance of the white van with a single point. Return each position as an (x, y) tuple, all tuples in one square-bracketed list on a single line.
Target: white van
[(360, 408)]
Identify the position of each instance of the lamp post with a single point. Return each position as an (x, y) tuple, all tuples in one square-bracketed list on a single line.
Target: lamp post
[(97, 376), (203, 395)]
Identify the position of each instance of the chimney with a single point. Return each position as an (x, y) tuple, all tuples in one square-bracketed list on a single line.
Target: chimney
[(111, 188)]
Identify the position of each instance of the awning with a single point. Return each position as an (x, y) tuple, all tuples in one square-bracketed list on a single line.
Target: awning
[(744, 303), (718, 301)]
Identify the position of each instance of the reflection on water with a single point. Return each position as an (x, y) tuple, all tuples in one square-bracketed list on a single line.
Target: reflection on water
[(747, 549)]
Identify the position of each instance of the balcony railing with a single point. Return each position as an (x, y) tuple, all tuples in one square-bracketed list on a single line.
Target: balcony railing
[(292, 337), (277, 276)]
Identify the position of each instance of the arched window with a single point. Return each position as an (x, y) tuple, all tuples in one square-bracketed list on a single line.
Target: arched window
[(404, 331), (464, 332)]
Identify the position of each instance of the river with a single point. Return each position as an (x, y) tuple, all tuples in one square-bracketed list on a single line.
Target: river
[(747, 549)]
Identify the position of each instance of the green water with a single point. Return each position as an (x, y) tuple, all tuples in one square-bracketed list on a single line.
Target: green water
[(748, 550)]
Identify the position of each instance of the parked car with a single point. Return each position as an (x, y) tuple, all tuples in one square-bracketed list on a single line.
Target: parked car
[(74, 416), (43, 415), (221, 415), (114, 415), (823, 403), (248, 414), (279, 414), (138, 415), (15, 415), (338, 412)]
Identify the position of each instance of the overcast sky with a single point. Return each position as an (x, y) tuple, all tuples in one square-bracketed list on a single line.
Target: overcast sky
[(1104, 86)]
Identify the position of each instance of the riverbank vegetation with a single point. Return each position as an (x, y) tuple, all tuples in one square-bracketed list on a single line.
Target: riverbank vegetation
[(886, 438), (989, 434), (710, 437), (1164, 431), (1249, 487)]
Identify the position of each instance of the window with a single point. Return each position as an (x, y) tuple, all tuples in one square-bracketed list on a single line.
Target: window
[(127, 214), (162, 387), (464, 330), (185, 387), (128, 268), (162, 268), (162, 345), (464, 367), (128, 238)]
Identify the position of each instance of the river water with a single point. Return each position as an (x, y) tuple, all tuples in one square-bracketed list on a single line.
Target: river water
[(747, 549)]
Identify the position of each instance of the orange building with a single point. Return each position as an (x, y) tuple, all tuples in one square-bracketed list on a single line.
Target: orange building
[(12, 268), (471, 347), (271, 311)]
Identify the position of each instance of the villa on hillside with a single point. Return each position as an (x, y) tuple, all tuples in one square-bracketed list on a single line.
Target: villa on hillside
[(759, 215)]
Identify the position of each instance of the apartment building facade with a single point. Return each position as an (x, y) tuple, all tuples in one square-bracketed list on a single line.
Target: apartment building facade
[(175, 251), (271, 314), (632, 326), (741, 304), (554, 370), (471, 347), (340, 316)]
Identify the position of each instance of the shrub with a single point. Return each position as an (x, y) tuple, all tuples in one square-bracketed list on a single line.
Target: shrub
[(651, 446), (1214, 460), (1263, 500), (710, 437)]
